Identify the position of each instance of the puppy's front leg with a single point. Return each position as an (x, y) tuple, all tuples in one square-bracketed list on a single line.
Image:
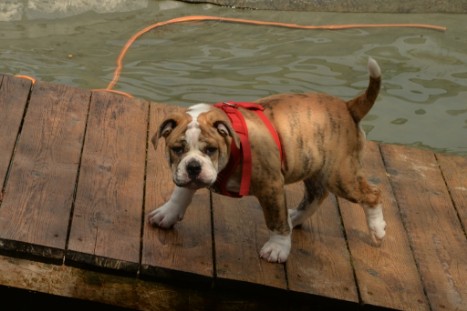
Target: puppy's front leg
[(277, 248), (173, 210)]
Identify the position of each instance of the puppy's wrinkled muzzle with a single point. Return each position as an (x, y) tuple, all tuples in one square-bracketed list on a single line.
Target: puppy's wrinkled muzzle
[(193, 176), (193, 184), (193, 169)]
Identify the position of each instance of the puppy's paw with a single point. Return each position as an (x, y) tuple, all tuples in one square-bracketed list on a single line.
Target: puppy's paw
[(377, 231), (166, 216), (376, 223), (277, 249)]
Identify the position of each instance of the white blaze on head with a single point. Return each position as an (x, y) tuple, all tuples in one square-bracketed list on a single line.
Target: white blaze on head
[(195, 110), (193, 130), (208, 174)]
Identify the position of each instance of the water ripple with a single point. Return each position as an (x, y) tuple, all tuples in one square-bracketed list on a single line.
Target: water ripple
[(422, 101)]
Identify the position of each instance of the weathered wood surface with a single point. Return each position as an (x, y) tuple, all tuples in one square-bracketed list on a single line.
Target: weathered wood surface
[(454, 176), (79, 175), (10, 122), (436, 236), (320, 262), (38, 194), (386, 275), (236, 221), (105, 229)]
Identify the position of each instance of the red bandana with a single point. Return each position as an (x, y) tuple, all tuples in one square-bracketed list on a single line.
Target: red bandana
[(239, 125)]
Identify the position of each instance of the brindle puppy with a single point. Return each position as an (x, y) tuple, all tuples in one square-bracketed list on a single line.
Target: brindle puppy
[(322, 142)]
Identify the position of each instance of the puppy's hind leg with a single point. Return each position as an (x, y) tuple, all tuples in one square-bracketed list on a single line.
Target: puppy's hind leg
[(357, 189), (315, 193)]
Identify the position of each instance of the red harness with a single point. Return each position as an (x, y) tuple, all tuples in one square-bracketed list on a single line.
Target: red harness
[(244, 153)]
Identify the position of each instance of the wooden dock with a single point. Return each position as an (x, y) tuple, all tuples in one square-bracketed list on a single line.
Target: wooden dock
[(78, 176)]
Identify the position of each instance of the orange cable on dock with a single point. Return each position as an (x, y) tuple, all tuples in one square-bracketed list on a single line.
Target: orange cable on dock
[(32, 79), (114, 91)]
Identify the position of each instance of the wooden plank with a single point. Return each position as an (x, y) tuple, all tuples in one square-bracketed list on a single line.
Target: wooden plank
[(319, 262), (134, 293), (435, 234), (106, 225), (387, 275), (13, 100), (184, 251), (240, 231), (38, 195), (117, 290), (455, 175)]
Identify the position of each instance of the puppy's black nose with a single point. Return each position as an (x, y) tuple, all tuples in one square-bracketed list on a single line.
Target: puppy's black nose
[(193, 168)]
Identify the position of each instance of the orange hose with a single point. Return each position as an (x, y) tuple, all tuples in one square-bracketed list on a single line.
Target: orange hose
[(114, 91), (183, 19), (32, 79)]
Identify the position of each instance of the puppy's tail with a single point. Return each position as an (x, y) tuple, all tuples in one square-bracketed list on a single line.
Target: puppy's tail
[(359, 106)]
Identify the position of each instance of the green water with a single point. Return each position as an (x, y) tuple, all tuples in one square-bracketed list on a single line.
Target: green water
[(423, 101)]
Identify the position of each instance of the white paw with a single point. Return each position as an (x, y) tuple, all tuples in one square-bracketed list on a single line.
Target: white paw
[(376, 223), (277, 249), (165, 216), (377, 231)]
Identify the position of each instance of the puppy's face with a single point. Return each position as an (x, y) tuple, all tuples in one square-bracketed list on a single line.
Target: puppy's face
[(197, 146)]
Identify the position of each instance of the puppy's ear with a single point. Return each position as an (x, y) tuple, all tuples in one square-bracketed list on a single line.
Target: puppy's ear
[(166, 128), (225, 129)]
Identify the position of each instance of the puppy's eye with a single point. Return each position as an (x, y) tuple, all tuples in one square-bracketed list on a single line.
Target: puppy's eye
[(178, 150), (210, 150)]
